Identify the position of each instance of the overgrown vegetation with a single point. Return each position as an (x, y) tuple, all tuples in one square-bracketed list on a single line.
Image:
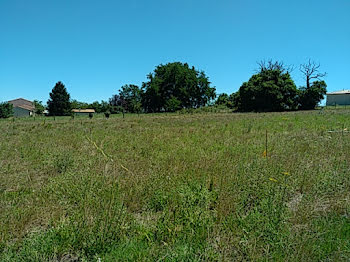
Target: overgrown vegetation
[(6, 110), (176, 187), (175, 86), (272, 89)]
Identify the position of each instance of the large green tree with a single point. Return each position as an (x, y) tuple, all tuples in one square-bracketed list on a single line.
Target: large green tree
[(222, 99), (6, 110), (75, 104), (310, 97), (315, 89), (174, 86), (271, 89), (59, 102), (225, 100), (100, 107), (132, 98)]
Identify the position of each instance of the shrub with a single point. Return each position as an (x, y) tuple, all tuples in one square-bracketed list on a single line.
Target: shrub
[(6, 110)]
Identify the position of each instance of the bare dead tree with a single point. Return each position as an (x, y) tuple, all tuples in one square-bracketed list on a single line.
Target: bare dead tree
[(311, 71), (274, 65)]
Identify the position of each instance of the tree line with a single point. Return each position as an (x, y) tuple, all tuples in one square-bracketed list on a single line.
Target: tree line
[(273, 89), (175, 86)]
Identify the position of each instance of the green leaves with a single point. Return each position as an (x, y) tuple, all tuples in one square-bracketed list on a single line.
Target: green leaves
[(131, 96), (269, 90), (174, 86), (6, 110), (59, 102), (309, 97), (39, 108)]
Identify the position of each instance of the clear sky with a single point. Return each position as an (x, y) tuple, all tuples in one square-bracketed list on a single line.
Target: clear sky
[(94, 47)]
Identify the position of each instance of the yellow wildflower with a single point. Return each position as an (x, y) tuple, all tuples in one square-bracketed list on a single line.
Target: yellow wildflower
[(264, 153), (286, 173), (273, 180)]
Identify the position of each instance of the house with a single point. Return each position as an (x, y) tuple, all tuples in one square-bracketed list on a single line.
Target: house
[(82, 112), (338, 98), (22, 107)]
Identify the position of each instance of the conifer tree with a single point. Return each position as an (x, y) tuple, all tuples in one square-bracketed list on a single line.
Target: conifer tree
[(59, 102)]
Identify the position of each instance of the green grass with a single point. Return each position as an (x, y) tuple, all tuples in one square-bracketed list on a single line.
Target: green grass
[(176, 187)]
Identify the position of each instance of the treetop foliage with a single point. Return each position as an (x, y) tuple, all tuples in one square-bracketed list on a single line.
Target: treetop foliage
[(6, 110), (269, 90), (39, 107), (174, 86), (310, 96), (59, 102), (273, 89)]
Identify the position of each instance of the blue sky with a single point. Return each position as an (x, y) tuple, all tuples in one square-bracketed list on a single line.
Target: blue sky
[(94, 47)]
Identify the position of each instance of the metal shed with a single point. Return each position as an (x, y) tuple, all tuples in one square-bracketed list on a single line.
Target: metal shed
[(338, 98)]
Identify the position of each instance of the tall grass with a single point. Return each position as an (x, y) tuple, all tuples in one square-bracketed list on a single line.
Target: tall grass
[(176, 187)]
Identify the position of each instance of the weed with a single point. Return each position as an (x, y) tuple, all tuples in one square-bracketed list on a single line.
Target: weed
[(176, 187)]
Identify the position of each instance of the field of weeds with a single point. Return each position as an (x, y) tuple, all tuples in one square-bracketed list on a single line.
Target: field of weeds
[(176, 187)]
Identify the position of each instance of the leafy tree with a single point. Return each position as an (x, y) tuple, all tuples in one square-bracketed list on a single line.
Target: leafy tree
[(231, 100), (172, 104), (117, 104), (99, 107), (6, 110), (272, 89), (39, 107), (174, 86), (96, 106), (59, 102), (79, 105), (314, 92), (310, 97), (222, 99), (225, 100), (131, 95), (104, 107)]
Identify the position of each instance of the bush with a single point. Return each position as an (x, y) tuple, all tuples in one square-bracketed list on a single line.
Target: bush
[(269, 90), (6, 110), (310, 97)]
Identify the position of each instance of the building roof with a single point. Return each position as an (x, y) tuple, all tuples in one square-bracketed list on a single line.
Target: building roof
[(83, 110), (20, 99), (26, 107), (22, 103), (341, 92)]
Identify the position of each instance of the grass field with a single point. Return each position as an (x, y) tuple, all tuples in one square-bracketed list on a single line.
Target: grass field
[(176, 187)]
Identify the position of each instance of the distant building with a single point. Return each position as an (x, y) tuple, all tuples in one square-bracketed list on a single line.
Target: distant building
[(338, 98), (22, 107), (83, 111)]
